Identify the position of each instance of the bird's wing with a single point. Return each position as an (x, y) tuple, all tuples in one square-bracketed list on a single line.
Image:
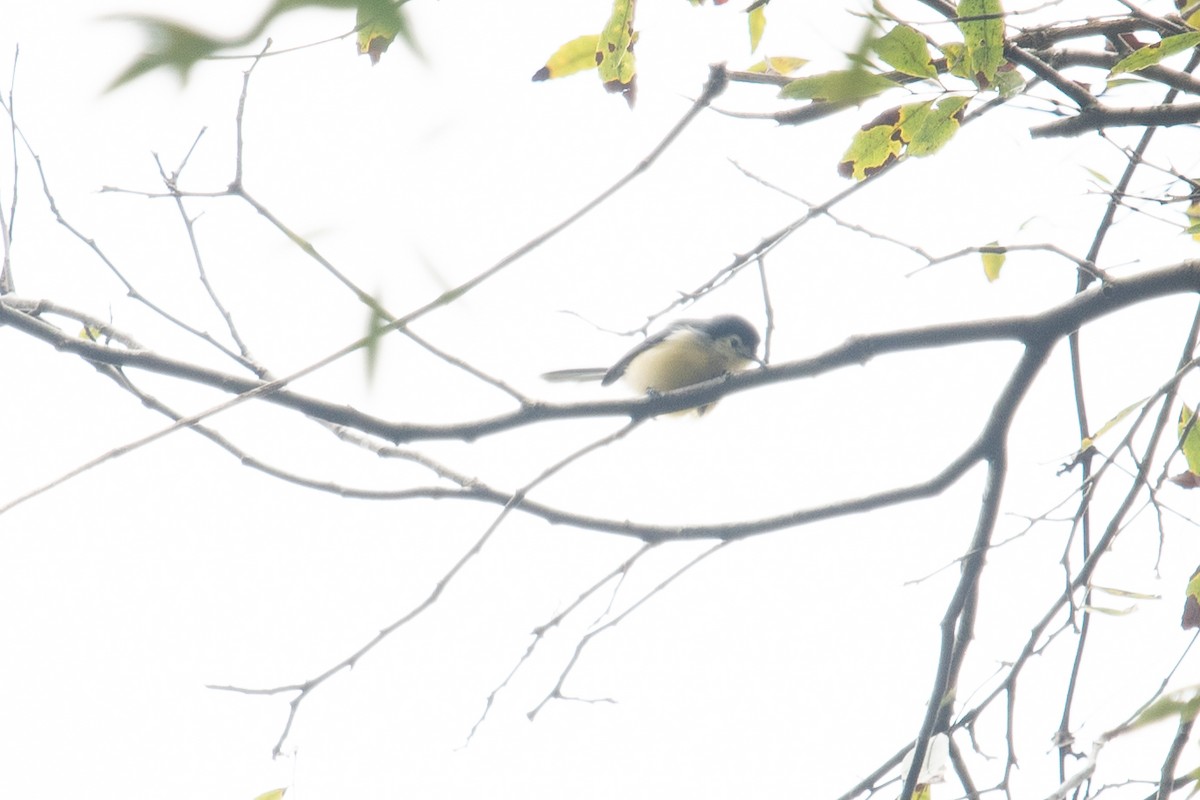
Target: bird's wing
[(618, 369)]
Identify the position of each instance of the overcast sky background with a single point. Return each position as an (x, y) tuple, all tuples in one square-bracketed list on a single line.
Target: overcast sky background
[(790, 664)]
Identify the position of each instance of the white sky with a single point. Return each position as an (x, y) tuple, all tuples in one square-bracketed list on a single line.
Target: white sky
[(787, 665)]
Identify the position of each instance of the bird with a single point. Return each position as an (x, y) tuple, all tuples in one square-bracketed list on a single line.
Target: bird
[(685, 353)]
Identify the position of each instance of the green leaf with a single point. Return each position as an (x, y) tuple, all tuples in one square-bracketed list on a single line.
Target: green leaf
[(1114, 83), (574, 56), (1154, 53), (376, 323), (179, 47), (274, 794), (1192, 776), (1183, 703), (758, 23), (614, 52), (171, 45), (925, 127), (1009, 80), (983, 39), (993, 259), (1189, 443), (840, 86), (905, 51), (778, 65), (378, 25)]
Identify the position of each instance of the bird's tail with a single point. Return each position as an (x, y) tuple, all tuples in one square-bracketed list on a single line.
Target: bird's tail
[(575, 375)]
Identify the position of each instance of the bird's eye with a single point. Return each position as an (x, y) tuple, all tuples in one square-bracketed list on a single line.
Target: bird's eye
[(735, 342)]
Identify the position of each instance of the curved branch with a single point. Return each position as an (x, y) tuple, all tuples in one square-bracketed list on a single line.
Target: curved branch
[(305, 689), (1096, 302), (1082, 97), (1094, 119), (1042, 330), (958, 622), (1106, 61)]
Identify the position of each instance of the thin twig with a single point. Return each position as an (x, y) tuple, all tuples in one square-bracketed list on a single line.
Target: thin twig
[(305, 689)]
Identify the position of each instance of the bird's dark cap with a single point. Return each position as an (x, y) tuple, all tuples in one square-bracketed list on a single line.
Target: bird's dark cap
[(733, 325)]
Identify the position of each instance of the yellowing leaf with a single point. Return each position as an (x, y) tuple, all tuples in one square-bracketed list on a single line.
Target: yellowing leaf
[(1108, 426), (956, 59), (90, 332), (872, 149), (905, 51), (758, 23), (925, 127), (574, 56), (840, 86), (1186, 480), (1111, 612), (1191, 603), (983, 36), (1193, 215), (778, 65), (993, 259), (274, 794), (1115, 592), (614, 52), (1154, 53), (1190, 443), (915, 129), (1190, 13), (377, 28)]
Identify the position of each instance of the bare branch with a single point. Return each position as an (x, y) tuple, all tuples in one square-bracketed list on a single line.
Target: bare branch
[(305, 689), (1054, 323), (1081, 96), (1099, 118), (557, 692), (539, 633)]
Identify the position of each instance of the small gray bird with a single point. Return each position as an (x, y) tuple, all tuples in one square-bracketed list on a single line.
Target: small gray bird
[(684, 353)]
